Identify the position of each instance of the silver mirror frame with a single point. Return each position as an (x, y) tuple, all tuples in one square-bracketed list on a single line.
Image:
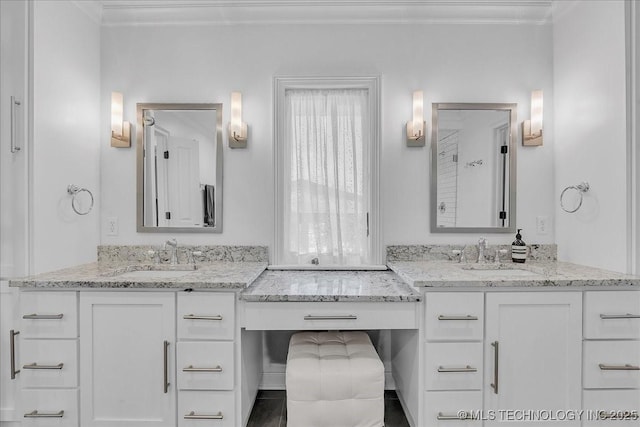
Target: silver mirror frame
[(513, 133), (140, 227)]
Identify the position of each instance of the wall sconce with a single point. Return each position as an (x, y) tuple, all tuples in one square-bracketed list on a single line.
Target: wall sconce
[(120, 130), (417, 127), (237, 129), (532, 129)]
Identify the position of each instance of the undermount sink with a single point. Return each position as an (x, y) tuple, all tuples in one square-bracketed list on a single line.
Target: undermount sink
[(154, 274)]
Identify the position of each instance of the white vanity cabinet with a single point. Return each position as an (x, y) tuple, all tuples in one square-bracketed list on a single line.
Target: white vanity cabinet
[(127, 354), (454, 327), (48, 358), (611, 359), (206, 368), (532, 355), (510, 350)]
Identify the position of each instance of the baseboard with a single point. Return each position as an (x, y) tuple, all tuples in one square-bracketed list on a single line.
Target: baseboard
[(276, 381)]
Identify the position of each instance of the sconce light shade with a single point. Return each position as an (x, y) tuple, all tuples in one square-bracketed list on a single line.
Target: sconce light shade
[(120, 130), (237, 129), (532, 129), (416, 128)]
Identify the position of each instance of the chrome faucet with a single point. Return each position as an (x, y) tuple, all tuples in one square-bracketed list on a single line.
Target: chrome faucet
[(173, 243), (482, 245)]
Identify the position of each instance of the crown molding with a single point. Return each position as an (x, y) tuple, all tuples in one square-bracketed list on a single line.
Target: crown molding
[(239, 12)]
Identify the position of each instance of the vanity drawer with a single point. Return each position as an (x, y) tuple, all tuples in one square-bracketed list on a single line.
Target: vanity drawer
[(57, 408), (330, 315), (611, 364), (612, 314), (48, 315), (453, 366), (623, 404), (49, 363), (206, 408), (454, 316), (205, 365), (441, 408), (206, 315)]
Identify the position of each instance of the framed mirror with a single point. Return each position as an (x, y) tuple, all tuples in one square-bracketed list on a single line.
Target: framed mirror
[(473, 168), (179, 168)]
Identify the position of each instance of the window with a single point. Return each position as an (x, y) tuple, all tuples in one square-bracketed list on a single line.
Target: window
[(326, 172)]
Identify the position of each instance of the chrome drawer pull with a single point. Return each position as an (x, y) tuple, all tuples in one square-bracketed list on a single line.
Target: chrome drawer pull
[(467, 317), (462, 415), (496, 366), (36, 414), (12, 350), (35, 316), (460, 369), (165, 363), (626, 367), (190, 368), (36, 366), (14, 125), (337, 317), (193, 416), (619, 316), (194, 317)]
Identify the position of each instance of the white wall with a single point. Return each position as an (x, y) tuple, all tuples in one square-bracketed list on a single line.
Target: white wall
[(66, 123), (200, 63), (589, 83)]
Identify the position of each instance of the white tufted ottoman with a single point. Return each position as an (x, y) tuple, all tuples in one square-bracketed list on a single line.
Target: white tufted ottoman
[(334, 379)]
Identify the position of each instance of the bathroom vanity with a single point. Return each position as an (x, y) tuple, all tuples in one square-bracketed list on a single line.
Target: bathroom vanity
[(485, 339)]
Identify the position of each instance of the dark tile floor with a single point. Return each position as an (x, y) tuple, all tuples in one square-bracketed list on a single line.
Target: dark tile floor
[(270, 410)]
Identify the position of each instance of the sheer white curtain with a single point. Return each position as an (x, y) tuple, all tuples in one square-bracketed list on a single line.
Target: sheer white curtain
[(326, 177)]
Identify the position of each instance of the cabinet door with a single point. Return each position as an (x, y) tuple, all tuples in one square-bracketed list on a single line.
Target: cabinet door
[(125, 359), (532, 356)]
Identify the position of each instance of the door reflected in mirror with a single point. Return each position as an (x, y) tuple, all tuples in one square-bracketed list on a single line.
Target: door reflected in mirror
[(179, 167), (473, 168)]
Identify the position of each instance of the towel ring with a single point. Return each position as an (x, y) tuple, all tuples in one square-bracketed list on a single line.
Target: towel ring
[(581, 188), (74, 190)]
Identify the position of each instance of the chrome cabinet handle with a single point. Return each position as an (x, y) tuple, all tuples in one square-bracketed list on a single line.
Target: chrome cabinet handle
[(457, 369), (466, 317), (194, 317), (36, 414), (619, 316), (625, 367), (450, 417), (12, 350), (14, 115), (35, 316), (190, 368), (330, 317), (166, 366), (36, 366), (193, 416), (496, 364)]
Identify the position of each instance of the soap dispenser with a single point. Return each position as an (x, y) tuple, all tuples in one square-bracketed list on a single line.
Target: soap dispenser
[(518, 249)]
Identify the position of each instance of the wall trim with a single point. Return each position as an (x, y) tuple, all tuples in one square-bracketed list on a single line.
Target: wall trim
[(250, 12), (633, 161)]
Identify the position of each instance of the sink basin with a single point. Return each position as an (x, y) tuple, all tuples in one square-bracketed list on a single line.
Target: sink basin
[(154, 274), (502, 272)]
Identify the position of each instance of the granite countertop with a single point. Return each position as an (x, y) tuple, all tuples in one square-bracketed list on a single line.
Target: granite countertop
[(213, 275), (310, 286), (443, 274)]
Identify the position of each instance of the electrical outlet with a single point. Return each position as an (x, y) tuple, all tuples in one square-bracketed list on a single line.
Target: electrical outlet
[(542, 224), (112, 226)]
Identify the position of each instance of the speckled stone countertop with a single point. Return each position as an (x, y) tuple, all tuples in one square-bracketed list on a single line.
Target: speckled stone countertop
[(214, 275), (449, 274), (314, 286)]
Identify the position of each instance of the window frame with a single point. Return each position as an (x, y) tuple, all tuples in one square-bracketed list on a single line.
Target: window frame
[(372, 85)]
